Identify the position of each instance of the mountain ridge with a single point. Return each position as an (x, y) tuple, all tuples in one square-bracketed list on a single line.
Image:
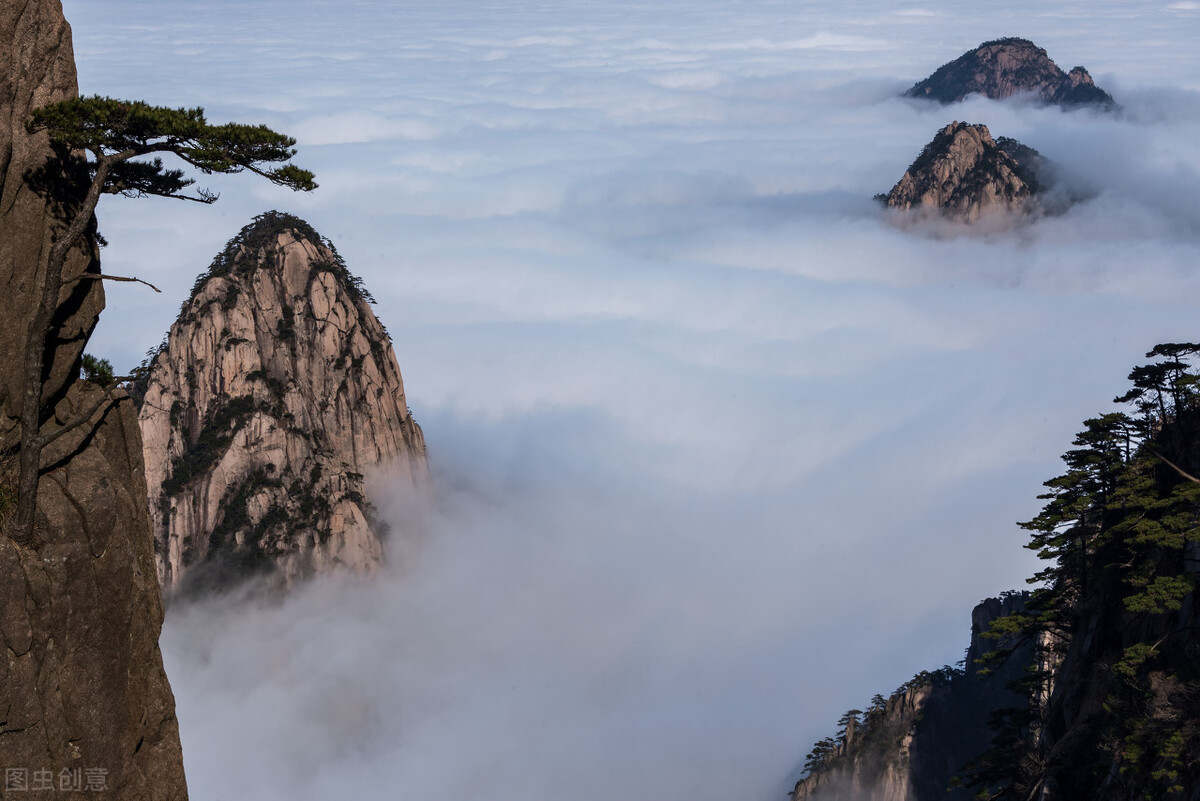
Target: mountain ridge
[(1001, 68)]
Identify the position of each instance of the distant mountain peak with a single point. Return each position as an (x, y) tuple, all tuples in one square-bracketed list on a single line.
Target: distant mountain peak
[(965, 174), (1010, 66), (247, 251)]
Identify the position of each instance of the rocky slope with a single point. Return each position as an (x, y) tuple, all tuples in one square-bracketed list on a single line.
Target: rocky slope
[(964, 174), (273, 395), (82, 686), (910, 746), (1006, 67)]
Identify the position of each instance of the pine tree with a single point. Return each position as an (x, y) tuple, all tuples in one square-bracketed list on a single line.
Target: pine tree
[(1115, 532), (100, 146)]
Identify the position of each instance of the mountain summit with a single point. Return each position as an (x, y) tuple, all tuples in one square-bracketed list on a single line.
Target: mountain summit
[(965, 174), (275, 391), (1005, 67)]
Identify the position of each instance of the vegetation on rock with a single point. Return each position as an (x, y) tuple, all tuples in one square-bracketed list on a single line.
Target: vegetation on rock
[(102, 143), (1120, 532), (1005, 67)]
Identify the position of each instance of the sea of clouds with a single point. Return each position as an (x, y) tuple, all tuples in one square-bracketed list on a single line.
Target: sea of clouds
[(718, 452)]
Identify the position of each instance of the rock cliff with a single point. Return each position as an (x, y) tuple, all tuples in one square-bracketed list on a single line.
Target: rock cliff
[(1006, 67), (965, 175), (912, 745), (273, 395), (83, 695)]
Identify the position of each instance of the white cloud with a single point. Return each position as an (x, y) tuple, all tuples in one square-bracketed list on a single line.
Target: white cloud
[(692, 400), (356, 127)]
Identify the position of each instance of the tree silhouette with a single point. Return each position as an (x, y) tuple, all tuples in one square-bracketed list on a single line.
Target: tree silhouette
[(97, 142)]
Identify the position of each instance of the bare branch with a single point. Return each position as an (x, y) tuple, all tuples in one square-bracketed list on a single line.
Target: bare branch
[(203, 196), (103, 277), (1176, 467), (86, 416)]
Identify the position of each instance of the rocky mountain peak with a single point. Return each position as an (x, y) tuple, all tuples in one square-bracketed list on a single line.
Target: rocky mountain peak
[(1002, 68), (275, 392), (965, 174)]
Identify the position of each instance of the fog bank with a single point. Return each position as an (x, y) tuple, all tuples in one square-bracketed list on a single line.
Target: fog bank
[(719, 451)]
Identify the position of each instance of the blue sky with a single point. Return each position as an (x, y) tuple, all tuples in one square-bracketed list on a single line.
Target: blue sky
[(720, 451)]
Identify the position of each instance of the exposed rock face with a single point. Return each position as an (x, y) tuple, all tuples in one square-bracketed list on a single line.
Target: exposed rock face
[(37, 67), (964, 174), (912, 747), (275, 392), (1006, 67), (82, 686)]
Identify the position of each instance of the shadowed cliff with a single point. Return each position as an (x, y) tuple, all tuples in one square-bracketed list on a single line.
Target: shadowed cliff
[(82, 687)]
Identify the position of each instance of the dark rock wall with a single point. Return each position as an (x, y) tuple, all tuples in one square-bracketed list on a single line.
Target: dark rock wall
[(82, 686), (928, 731)]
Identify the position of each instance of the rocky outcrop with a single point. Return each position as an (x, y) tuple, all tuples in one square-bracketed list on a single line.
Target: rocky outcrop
[(965, 175), (912, 745), (1006, 67), (274, 394), (83, 695)]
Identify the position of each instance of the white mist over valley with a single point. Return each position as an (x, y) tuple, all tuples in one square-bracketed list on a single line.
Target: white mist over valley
[(717, 451)]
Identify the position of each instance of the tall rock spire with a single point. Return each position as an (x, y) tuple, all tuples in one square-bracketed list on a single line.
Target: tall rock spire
[(275, 393)]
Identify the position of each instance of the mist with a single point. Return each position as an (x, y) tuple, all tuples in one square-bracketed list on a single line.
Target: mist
[(718, 450)]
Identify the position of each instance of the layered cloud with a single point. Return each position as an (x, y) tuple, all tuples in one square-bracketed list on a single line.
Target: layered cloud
[(720, 451)]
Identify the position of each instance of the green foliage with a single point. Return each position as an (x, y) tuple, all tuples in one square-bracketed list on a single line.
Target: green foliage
[(848, 722), (231, 297), (97, 371), (116, 131), (823, 751), (253, 553), (942, 677), (254, 247), (874, 733), (1160, 595), (216, 433), (286, 330), (1133, 658), (1114, 531)]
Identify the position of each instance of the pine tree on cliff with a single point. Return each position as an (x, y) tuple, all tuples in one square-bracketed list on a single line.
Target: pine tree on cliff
[(822, 751), (1117, 530), (847, 724), (102, 143)]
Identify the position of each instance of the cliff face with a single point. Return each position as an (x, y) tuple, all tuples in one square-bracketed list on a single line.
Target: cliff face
[(37, 67), (964, 174), (910, 746), (82, 687), (1006, 67), (275, 392)]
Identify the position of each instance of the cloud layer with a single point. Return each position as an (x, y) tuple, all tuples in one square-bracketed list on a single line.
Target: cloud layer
[(720, 452)]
